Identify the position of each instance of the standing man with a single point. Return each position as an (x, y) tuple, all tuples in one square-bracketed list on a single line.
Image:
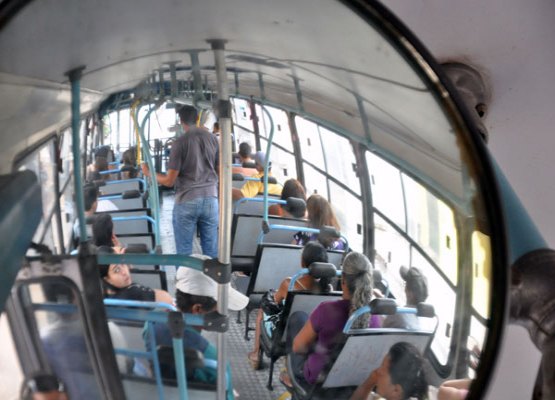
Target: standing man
[(193, 167)]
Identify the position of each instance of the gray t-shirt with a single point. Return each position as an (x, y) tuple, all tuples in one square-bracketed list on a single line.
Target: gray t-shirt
[(195, 156)]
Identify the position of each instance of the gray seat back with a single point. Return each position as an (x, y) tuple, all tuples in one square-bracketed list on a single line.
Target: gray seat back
[(119, 187)]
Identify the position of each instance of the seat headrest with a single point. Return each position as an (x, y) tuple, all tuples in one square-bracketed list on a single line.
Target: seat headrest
[(271, 179), (383, 306), (322, 270), (238, 177), (328, 234), (295, 206), (131, 194), (425, 310), (128, 168), (133, 248), (248, 164)]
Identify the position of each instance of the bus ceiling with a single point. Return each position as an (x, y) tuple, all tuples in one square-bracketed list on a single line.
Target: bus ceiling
[(356, 80)]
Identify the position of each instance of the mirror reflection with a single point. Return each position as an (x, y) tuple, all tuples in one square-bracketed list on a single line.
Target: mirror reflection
[(365, 158)]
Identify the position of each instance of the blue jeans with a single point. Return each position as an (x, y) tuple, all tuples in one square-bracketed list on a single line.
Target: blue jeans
[(201, 212)]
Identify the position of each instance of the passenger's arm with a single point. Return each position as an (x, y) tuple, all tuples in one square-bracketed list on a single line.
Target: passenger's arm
[(305, 339), (162, 296), (281, 293), (236, 194), (364, 389), (167, 180)]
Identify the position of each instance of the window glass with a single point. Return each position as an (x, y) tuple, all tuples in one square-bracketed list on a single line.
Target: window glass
[(348, 210), (392, 252), (283, 163), (477, 336), (443, 297), (242, 113), (431, 223), (42, 163), (309, 139), (66, 157), (282, 134), (340, 159), (387, 190), (61, 334), (315, 182), (481, 273)]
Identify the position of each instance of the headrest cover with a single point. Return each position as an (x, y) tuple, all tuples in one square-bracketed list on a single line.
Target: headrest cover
[(131, 194), (133, 248), (322, 270), (271, 179), (295, 206), (248, 164), (238, 177), (383, 306), (425, 310)]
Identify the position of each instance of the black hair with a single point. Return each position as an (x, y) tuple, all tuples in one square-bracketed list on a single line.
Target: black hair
[(216, 126), (245, 150), (188, 115), (406, 369), (90, 194), (40, 382), (102, 230), (185, 301), (103, 268), (315, 252)]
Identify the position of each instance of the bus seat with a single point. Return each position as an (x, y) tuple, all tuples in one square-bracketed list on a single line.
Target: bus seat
[(244, 245)]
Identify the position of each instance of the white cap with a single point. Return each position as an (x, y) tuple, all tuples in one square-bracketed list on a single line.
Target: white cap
[(194, 282)]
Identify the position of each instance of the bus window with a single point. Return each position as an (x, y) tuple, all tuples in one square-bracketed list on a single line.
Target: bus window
[(283, 162), (481, 273), (309, 138), (340, 159), (42, 163), (392, 252), (431, 223), (443, 297), (314, 181), (282, 133), (387, 189), (243, 124), (348, 210)]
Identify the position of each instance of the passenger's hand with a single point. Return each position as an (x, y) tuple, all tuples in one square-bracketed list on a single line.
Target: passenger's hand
[(144, 168)]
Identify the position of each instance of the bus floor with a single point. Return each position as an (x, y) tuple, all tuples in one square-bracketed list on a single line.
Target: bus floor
[(250, 384)]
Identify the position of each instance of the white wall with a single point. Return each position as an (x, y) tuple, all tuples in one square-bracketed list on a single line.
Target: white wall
[(513, 41)]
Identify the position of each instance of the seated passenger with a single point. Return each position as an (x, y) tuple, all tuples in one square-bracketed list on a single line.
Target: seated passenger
[(42, 386), (103, 232), (291, 188), (244, 158), (310, 340), (93, 170), (416, 291), (118, 284), (252, 188), (196, 293), (90, 198), (129, 160), (312, 252), (400, 377), (320, 213)]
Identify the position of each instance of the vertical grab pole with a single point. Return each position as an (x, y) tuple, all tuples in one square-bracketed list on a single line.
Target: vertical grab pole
[(224, 235), (155, 202), (75, 80), (267, 163)]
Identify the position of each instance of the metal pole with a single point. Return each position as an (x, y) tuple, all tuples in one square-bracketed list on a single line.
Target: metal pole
[(75, 80), (224, 234)]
